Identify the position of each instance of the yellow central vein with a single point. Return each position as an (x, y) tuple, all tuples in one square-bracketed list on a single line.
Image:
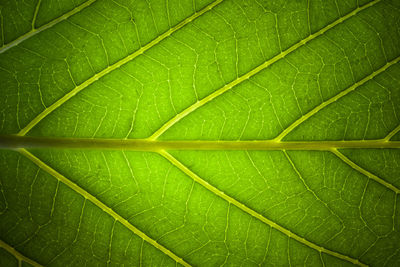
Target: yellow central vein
[(254, 71), (101, 205), (364, 172), (18, 255), (252, 212), (15, 141), (113, 67), (336, 98), (50, 24)]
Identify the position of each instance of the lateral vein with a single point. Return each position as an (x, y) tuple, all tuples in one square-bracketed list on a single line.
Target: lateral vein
[(36, 13), (101, 205), (336, 98), (18, 255), (364, 171), (254, 213), (392, 133), (113, 67), (254, 71), (46, 26)]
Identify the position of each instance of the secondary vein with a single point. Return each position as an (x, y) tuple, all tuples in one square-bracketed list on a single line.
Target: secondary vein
[(392, 133), (46, 26), (254, 213), (336, 98), (365, 172), (18, 255), (113, 67), (36, 13), (101, 205), (254, 71)]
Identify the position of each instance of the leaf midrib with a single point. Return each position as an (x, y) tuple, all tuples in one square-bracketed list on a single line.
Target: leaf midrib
[(247, 146), (24, 142), (182, 167), (15, 141)]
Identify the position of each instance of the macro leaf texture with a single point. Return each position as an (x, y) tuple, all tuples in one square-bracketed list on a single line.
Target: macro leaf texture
[(200, 133)]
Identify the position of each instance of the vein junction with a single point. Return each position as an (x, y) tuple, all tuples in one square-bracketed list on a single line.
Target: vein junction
[(254, 213), (197, 179), (21, 258), (16, 142)]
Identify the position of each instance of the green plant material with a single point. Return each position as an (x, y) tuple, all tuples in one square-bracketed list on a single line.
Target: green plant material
[(205, 133)]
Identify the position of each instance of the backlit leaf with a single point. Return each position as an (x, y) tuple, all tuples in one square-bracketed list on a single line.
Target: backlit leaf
[(200, 132)]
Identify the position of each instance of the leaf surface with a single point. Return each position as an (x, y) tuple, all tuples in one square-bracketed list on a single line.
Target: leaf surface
[(202, 133)]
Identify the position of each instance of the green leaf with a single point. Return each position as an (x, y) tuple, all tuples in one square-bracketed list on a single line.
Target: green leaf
[(204, 133)]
